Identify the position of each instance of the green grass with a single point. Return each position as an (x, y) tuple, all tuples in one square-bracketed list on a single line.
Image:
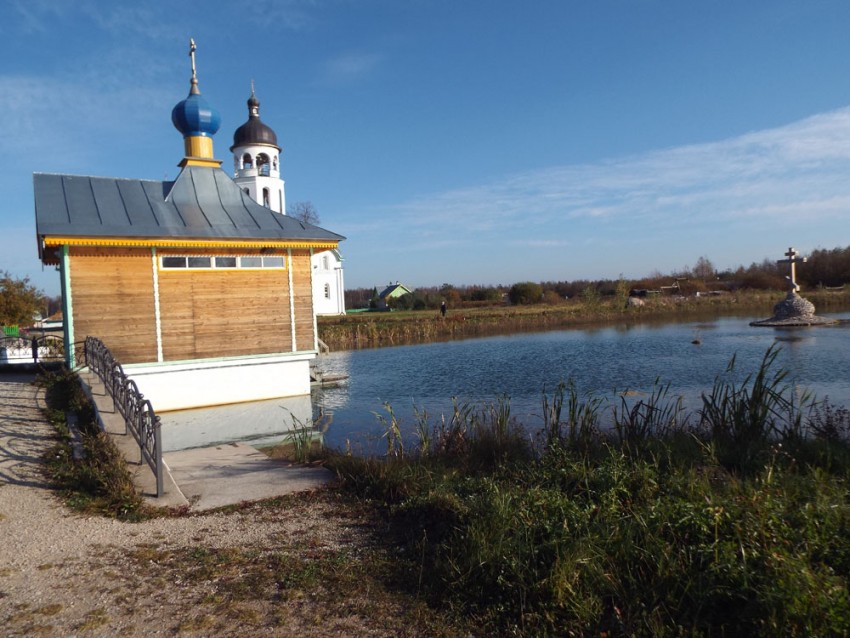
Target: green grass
[(100, 482), (732, 521)]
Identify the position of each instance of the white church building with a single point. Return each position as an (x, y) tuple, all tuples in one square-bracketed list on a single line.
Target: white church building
[(256, 163)]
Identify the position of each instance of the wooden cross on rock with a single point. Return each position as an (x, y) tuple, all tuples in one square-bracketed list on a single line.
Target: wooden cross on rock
[(792, 259)]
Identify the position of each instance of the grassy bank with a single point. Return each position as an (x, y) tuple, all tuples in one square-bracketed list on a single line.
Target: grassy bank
[(731, 521), (366, 330), (96, 480), (734, 520)]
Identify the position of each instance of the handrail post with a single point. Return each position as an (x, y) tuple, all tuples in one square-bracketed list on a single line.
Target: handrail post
[(158, 455)]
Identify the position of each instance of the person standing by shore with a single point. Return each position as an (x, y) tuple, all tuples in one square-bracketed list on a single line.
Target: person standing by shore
[(443, 309)]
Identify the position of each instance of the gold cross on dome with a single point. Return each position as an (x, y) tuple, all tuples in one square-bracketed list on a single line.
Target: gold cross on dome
[(192, 48), (194, 81)]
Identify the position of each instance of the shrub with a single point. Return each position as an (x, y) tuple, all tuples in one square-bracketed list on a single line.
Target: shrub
[(525, 293)]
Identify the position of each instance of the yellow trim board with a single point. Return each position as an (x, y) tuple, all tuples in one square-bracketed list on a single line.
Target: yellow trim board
[(199, 161), (186, 243)]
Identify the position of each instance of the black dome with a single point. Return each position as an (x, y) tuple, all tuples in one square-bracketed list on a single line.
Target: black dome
[(254, 131)]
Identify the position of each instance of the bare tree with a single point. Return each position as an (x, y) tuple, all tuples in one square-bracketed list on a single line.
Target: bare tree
[(704, 269), (303, 212)]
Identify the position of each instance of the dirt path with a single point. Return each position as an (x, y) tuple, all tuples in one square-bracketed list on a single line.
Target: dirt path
[(262, 570)]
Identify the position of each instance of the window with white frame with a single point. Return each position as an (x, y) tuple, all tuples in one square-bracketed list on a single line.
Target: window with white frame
[(220, 262)]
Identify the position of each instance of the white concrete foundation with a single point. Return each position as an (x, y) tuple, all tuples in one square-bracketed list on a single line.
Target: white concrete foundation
[(196, 384)]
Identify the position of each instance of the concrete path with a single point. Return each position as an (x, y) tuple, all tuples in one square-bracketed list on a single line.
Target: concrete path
[(198, 479), (24, 433), (64, 573)]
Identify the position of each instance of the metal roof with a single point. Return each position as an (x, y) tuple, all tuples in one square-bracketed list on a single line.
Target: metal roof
[(202, 203), (393, 288)]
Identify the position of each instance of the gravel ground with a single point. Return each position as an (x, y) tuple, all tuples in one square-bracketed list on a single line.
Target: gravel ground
[(62, 574)]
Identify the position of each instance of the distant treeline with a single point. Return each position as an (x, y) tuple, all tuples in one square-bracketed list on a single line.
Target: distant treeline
[(824, 268)]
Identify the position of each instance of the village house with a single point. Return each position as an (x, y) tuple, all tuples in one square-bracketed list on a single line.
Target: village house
[(204, 295), (392, 291)]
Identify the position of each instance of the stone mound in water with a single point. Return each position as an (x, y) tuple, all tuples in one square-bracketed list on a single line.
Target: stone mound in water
[(794, 310)]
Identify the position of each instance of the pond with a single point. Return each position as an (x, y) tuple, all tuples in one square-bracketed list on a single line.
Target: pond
[(606, 361)]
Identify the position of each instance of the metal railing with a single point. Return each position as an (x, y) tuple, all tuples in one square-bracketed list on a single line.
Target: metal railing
[(139, 416), (33, 348)]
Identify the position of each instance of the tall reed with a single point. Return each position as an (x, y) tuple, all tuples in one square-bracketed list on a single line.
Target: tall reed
[(636, 422), (580, 426), (392, 431), (300, 438), (742, 417)]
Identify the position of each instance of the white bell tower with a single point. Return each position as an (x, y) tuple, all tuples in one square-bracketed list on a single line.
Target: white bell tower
[(256, 160), (256, 165)]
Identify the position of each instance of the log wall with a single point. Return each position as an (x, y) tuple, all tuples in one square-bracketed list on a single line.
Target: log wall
[(203, 313), (208, 313), (303, 291), (112, 299)]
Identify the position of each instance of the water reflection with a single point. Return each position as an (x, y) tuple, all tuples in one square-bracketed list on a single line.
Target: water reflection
[(258, 423)]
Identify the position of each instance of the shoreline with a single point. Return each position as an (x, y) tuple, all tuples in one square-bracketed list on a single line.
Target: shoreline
[(378, 329)]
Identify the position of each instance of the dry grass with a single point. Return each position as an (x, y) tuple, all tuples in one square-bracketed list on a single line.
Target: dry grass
[(366, 330)]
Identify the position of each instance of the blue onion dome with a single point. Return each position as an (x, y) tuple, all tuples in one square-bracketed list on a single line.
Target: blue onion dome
[(254, 131), (194, 117)]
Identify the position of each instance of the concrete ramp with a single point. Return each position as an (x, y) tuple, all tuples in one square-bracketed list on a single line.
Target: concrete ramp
[(205, 478), (228, 474)]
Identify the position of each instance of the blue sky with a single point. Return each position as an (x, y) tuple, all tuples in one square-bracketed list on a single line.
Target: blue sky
[(463, 142)]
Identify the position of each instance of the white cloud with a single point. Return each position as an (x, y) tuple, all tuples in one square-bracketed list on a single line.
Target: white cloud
[(349, 67), (42, 112), (541, 243), (295, 15), (143, 19), (799, 170), (32, 16), (737, 201)]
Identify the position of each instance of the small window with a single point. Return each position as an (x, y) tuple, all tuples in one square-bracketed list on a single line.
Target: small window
[(199, 262), (225, 262), (173, 262), (266, 197), (325, 265), (247, 162), (327, 291), (272, 262), (251, 262)]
